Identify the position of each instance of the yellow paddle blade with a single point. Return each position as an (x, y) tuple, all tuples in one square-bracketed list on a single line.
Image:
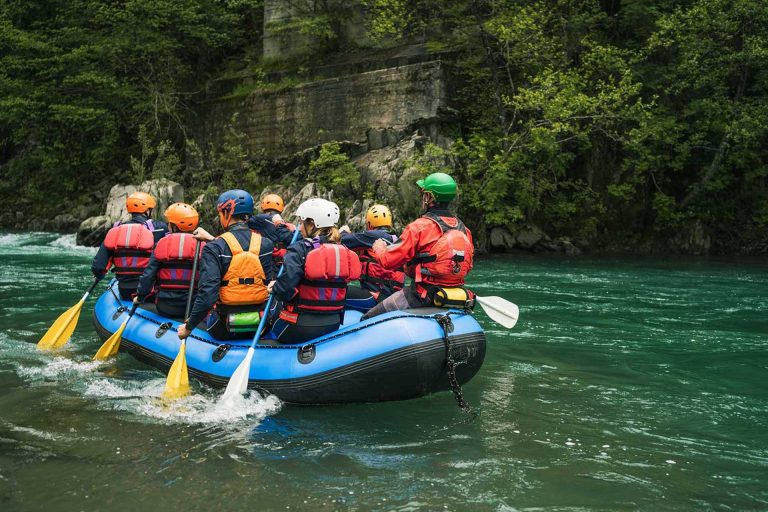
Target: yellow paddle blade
[(61, 330), (109, 348), (177, 384)]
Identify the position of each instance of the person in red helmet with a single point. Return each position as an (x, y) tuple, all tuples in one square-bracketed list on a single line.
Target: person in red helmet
[(128, 245), (170, 266), (437, 252)]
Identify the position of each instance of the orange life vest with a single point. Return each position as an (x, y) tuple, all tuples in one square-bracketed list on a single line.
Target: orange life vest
[(448, 261), (328, 269), (245, 281), (131, 246), (176, 253)]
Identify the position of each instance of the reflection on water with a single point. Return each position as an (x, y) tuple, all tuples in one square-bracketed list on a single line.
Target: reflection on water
[(626, 384)]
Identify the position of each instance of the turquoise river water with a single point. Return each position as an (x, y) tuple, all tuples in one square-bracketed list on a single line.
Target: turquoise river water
[(627, 384)]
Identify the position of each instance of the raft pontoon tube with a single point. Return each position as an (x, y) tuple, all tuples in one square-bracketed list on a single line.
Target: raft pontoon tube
[(395, 356)]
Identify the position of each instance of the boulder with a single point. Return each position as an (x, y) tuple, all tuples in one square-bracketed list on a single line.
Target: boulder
[(391, 175), (307, 191), (529, 236), (568, 247), (65, 223), (692, 238), (501, 239), (93, 230), (164, 190), (355, 215)]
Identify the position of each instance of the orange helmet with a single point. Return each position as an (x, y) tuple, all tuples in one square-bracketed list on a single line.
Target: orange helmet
[(378, 216), (272, 202), (183, 216), (139, 202)]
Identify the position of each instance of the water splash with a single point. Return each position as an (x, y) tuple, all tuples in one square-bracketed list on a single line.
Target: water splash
[(202, 407)]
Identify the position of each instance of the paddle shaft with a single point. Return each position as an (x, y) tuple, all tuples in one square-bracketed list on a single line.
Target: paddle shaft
[(263, 320), (91, 288), (192, 280)]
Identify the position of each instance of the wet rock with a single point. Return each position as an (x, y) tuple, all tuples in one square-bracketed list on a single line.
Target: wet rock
[(692, 239), (355, 215), (93, 230), (568, 247), (165, 192), (501, 239), (529, 236), (65, 223)]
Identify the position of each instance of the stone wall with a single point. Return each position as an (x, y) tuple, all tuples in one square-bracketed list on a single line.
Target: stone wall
[(372, 107)]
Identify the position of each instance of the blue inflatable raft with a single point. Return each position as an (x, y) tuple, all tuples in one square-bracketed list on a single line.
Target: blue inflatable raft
[(396, 356)]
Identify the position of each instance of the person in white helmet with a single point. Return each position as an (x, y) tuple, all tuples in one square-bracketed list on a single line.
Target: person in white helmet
[(314, 283)]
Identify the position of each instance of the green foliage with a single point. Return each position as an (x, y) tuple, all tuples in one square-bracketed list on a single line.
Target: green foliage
[(333, 170)]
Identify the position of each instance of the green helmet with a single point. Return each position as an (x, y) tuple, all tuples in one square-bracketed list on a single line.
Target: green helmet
[(440, 184)]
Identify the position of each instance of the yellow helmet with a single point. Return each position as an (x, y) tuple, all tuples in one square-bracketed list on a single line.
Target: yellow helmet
[(272, 202), (139, 202), (183, 216), (378, 216)]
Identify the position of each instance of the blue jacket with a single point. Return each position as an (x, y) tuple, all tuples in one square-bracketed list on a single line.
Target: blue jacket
[(263, 225), (104, 255), (366, 238), (214, 263)]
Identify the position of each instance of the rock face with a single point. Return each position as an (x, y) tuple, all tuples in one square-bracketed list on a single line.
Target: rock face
[(165, 191), (374, 107), (92, 230)]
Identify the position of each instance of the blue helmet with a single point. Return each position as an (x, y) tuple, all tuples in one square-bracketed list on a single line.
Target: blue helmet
[(242, 201)]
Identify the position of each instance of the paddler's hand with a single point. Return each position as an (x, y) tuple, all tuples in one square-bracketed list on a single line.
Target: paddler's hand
[(270, 286), (277, 219), (379, 246), (184, 331), (345, 229), (136, 300), (202, 235)]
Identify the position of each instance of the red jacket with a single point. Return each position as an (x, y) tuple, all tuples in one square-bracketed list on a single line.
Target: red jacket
[(418, 237)]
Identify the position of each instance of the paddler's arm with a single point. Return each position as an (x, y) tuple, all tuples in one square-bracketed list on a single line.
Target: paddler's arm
[(287, 285), (147, 279), (396, 255), (211, 271), (100, 262)]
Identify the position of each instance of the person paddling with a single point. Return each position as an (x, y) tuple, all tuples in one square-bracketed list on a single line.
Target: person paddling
[(235, 269), (376, 282), (128, 245), (170, 266), (436, 249), (316, 272)]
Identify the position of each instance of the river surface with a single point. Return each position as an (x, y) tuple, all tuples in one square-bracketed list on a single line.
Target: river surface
[(627, 384)]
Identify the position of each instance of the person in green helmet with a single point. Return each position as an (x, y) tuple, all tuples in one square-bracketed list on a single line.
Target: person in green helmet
[(437, 252)]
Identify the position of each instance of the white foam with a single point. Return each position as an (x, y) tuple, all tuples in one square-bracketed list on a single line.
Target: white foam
[(58, 367), (206, 407), (68, 242)]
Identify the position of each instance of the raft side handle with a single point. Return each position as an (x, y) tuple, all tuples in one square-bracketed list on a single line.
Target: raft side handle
[(220, 352), (162, 329), (306, 353)]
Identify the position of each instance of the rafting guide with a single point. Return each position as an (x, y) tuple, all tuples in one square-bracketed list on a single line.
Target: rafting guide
[(220, 307)]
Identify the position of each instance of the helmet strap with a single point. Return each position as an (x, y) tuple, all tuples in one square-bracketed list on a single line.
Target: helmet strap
[(427, 199)]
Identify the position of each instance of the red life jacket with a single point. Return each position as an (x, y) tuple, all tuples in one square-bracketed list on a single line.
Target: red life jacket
[(377, 276), (448, 261), (131, 246), (176, 253), (328, 269)]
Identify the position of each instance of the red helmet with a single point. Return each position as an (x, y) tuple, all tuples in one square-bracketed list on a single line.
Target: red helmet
[(139, 202), (183, 216)]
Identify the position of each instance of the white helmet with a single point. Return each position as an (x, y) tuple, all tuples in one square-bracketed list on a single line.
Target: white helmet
[(323, 213)]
